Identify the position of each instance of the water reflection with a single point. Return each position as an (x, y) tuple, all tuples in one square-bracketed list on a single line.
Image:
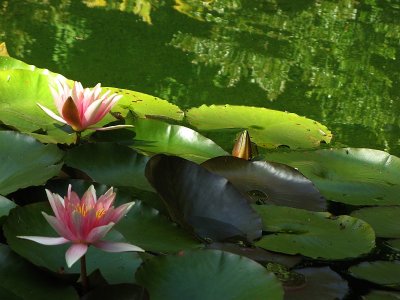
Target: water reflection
[(335, 61)]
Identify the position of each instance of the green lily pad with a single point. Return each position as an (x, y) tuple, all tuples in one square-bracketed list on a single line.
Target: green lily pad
[(268, 128), (318, 235), (271, 183), (385, 273), (145, 106), (321, 283), (20, 280), (28, 220), (384, 220), (110, 164), (381, 295), (122, 291), (202, 201), (153, 136), (349, 175), (207, 274), (147, 228), (20, 90), (10, 63), (26, 162)]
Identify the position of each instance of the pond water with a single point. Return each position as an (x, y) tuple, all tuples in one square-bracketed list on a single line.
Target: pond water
[(333, 61)]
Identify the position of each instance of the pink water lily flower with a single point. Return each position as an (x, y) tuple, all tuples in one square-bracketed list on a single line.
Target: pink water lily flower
[(84, 222), (81, 108)]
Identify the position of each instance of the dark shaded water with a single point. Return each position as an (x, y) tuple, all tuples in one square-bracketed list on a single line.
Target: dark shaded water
[(334, 61)]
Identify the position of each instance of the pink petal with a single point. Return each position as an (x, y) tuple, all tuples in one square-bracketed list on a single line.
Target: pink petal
[(61, 228), (121, 211), (89, 198), (56, 203), (98, 233), (106, 200), (91, 112), (75, 252), (51, 114), (116, 247), (50, 241)]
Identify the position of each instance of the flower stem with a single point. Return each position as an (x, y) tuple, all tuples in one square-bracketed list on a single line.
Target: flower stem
[(78, 137), (84, 278)]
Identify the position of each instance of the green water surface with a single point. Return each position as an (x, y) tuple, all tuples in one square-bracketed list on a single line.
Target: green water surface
[(333, 61)]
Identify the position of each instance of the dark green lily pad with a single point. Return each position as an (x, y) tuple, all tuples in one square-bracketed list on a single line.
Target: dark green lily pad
[(122, 291), (147, 228), (268, 128), (26, 162), (273, 183), (198, 199), (381, 295), (145, 106), (153, 136), (110, 164), (321, 283), (28, 220), (349, 175), (318, 235), (20, 280), (385, 273), (384, 220), (207, 274)]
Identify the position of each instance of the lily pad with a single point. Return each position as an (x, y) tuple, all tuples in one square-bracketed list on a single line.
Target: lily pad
[(385, 273), (321, 283), (122, 291), (145, 106), (381, 295), (147, 228), (207, 274), (154, 136), (26, 162), (20, 90), (394, 244), (203, 201), (271, 183), (110, 164), (318, 235), (9, 63), (355, 176), (268, 128), (384, 220), (20, 280), (28, 220)]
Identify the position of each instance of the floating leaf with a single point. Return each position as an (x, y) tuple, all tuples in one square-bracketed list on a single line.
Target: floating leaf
[(268, 128), (207, 274), (321, 283), (26, 162), (145, 106), (122, 291), (394, 244), (3, 50), (318, 235), (110, 164), (381, 295), (385, 273), (22, 281), (271, 183), (384, 220), (203, 200), (349, 175), (28, 220), (154, 136), (147, 228)]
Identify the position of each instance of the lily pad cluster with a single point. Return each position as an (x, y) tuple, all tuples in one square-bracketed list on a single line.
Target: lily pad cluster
[(284, 225)]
